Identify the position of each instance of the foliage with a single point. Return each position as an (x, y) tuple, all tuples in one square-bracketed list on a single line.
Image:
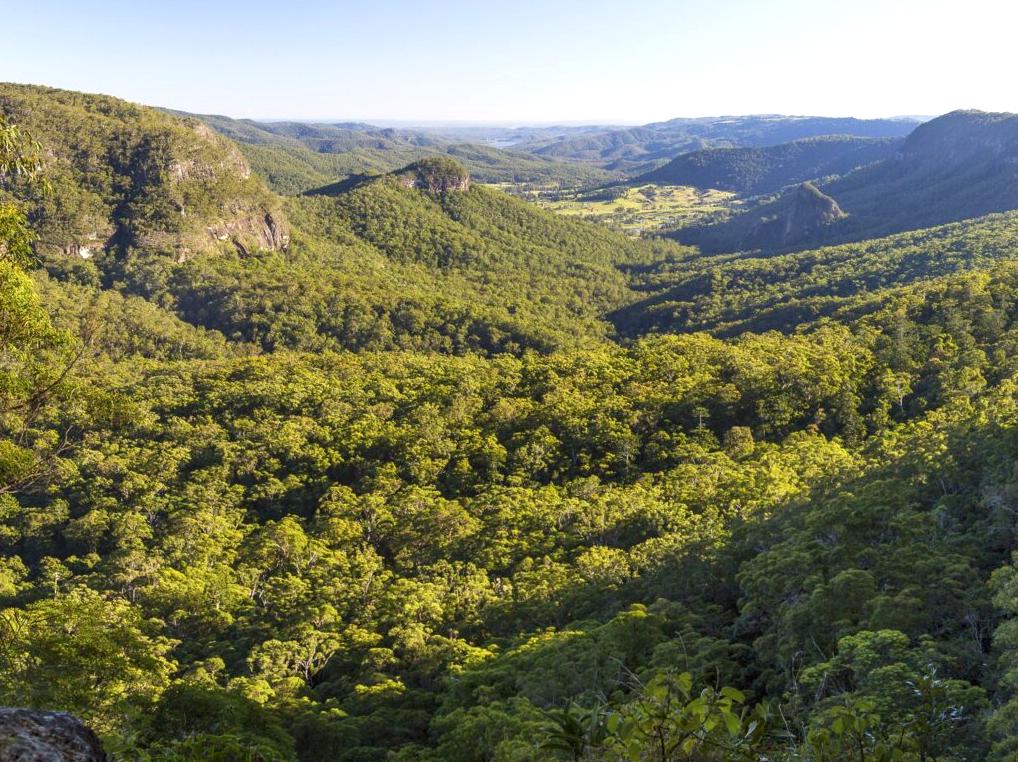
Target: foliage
[(771, 168), (951, 168), (295, 157), (731, 295), (395, 494)]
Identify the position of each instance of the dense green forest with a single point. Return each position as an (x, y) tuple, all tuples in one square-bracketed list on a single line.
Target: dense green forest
[(731, 294), (438, 475)]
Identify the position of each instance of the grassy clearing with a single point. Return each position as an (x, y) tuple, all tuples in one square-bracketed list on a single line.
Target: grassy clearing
[(640, 210)]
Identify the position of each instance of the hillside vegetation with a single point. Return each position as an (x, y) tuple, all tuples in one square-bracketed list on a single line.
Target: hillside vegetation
[(121, 177), (394, 493), (957, 166), (733, 294), (294, 157), (637, 150), (416, 259), (765, 170)]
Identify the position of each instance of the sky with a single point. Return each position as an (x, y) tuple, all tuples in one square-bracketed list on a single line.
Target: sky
[(521, 61)]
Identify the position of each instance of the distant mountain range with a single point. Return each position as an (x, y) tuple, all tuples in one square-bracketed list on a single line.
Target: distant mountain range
[(881, 175), (641, 149), (870, 177), (957, 166), (296, 156), (764, 170)]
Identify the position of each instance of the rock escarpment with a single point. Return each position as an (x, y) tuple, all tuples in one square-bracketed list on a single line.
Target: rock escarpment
[(28, 735), (122, 176)]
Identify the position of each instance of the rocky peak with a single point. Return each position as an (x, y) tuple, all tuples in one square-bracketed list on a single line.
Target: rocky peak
[(813, 209), (808, 211), (436, 175), (27, 735)]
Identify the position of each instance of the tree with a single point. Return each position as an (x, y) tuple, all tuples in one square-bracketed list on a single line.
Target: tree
[(83, 652)]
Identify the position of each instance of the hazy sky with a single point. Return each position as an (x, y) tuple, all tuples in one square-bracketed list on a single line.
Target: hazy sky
[(521, 60)]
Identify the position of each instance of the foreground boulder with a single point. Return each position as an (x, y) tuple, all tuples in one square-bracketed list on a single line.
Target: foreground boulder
[(27, 735)]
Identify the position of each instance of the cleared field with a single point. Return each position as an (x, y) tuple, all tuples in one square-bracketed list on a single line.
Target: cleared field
[(639, 210)]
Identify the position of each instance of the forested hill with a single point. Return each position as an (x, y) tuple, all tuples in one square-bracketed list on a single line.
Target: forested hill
[(392, 492), (731, 295), (765, 170), (296, 156), (148, 205), (122, 176), (957, 166), (631, 149)]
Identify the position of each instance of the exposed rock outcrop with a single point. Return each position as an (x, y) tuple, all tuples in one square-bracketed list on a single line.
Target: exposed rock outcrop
[(813, 209), (88, 245), (230, 161), (256, 231), (28, 735), (808, 214), (127, 177), (251, 219), (437, 175)]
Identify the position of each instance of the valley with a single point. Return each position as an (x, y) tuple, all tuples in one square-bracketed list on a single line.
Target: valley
[(326, 442), (636, 210)]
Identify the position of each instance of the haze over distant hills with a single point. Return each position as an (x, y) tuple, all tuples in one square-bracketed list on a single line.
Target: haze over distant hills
[(636, 149), (566, 155)]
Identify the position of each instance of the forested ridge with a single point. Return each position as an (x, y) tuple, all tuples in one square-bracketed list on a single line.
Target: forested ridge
[(641, 149), (294, 157), (442, 476), (769, 169), (954, 167)]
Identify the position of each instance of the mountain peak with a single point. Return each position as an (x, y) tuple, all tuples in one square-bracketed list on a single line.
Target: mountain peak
[(437, 175), (812, 211)]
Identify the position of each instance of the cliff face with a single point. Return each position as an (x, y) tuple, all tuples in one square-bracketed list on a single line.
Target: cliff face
[(212, 198), (438, 175), (254, 230), (32, 736), (123, 176)]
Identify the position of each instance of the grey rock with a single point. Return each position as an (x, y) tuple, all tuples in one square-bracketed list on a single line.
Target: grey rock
[(27, 735)]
